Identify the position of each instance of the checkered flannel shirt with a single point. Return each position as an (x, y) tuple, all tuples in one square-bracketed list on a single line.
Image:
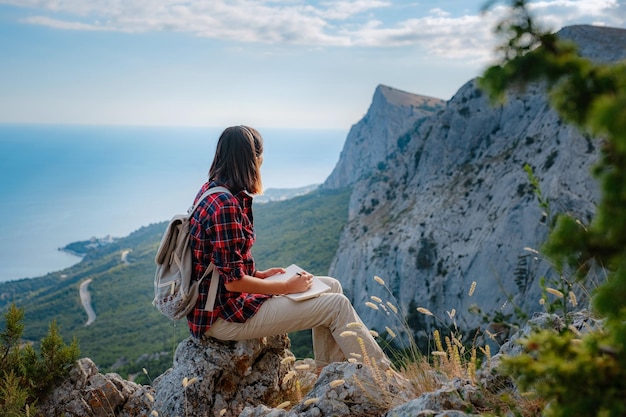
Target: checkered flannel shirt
[(222, 230)]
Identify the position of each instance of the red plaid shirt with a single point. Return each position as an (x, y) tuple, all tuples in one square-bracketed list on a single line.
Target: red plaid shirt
[(222, 230)]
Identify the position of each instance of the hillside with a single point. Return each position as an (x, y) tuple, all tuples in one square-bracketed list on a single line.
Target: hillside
[(129, 333)]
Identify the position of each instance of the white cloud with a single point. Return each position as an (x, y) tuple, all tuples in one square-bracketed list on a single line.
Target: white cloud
[(298, 22), (341, 10), (439, 12), (577, 7), (558, 13), (62, 24)]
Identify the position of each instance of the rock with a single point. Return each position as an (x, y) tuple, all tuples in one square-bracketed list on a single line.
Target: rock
[(89, 393), (582, 321), (210, 376), (343, 389), (248, 378), (453, 399), (491, 380), (369, 141), (306, 373), (603, 46)]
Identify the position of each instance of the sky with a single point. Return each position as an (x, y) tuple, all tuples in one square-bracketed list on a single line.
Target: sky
[(265, 63)]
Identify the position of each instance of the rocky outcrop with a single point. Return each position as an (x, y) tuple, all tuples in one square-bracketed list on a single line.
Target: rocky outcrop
[(451, 204), (249, 378), (370, 141), (89, 393), (206, 378), (245, 378), (598, 44), (343, 389), (261, 378), (210, 377), (458, 207)]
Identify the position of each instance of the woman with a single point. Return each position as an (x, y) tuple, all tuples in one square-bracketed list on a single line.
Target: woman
[(246, 307)]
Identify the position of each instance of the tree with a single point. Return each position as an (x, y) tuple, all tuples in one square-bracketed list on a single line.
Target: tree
[(25, 374), (579, 377)]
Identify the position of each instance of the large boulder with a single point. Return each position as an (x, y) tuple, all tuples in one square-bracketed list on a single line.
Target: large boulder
[(212, 377)]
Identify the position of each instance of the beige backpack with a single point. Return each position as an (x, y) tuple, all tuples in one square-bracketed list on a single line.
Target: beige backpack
[(175, 294)]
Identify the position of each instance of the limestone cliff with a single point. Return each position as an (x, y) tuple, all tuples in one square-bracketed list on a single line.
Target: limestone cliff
[(449, 202), (370, 141)]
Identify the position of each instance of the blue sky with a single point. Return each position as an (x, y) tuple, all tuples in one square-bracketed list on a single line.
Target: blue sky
[(267, 63)]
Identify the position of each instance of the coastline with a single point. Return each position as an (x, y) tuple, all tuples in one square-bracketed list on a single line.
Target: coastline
[(72, 252), (91, 188), (77, 250), (82, 247), (48, 262)]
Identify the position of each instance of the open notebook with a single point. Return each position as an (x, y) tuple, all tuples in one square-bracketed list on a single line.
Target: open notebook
[(318, 285)]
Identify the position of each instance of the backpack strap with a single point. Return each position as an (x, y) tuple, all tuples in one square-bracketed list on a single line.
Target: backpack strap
[(212, 190), (215, 277), (212, 295)]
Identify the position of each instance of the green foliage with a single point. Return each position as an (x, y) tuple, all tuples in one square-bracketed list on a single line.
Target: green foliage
[(534, 183), (27, 375), (52, 363), (14, 397), (301, 344), (583, 377), (10, 338), (304, 230), (578, 378)]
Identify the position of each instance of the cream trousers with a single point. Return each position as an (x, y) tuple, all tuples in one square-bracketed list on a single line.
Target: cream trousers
[(328, 315)]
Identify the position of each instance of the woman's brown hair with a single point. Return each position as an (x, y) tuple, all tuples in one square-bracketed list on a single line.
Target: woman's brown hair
[(238, 157)]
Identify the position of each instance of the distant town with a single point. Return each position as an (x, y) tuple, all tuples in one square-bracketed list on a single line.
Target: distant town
[(81, 248)]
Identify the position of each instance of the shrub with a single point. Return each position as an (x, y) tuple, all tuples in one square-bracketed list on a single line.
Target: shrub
[(27, 374)]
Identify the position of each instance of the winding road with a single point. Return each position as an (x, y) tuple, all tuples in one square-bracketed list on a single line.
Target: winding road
[(85, 299), (85, 295)]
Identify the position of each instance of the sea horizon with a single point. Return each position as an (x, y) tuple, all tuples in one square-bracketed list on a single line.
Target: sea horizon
[(66, 183)]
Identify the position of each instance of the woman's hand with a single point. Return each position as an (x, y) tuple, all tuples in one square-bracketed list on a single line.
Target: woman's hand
[(256, 284), (269, 272), (300, 282)]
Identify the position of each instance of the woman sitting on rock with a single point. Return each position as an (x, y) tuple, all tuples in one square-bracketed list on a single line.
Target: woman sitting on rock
[(246, 305)]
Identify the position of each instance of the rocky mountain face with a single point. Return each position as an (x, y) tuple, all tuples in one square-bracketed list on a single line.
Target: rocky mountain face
[(600, 44), (370, 141), (442, 201)]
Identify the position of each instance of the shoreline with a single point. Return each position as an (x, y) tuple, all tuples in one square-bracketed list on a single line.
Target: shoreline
[(116, 189), (55, 264), (72, 252)]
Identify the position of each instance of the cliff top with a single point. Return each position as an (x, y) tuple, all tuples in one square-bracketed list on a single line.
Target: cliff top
[(598, 43), (403, 98)]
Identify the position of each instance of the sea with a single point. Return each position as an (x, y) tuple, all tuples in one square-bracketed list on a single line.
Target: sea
[(66, 183)]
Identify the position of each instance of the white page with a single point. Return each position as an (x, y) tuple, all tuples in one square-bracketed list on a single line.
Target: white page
[(318, 285)]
